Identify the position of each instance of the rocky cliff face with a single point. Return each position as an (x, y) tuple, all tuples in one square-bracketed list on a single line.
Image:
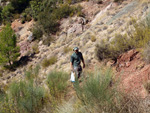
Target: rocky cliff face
[(102, 22)]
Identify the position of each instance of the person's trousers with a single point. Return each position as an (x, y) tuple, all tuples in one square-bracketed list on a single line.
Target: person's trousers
[(78, 71)]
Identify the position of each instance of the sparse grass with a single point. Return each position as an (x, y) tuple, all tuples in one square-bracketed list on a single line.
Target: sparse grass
[(146, 53), (35, 48), (32, 73), (57, 83), (67, 49), (93, 38), (47, 62)]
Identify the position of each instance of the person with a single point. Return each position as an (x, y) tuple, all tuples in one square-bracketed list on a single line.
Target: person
[(75, 62)]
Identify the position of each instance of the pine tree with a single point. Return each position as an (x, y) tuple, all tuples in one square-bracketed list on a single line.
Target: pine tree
[(9, 52)]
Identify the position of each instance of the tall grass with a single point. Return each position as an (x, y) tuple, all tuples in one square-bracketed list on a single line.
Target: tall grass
[(97, 93), (57, 83), (22, 97), (26, 97), (47, 62)]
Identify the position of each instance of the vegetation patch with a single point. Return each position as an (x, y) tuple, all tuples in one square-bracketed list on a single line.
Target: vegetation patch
[(93, 38), (97, 93), (9, 51), (67, 49), (57, 83), (35, 48), (137, 38), (25, 96), (47, 62)]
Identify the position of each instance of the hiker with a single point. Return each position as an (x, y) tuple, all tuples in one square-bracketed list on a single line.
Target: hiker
[(75, 62)]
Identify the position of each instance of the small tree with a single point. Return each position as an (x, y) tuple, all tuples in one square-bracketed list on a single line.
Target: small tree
[(9, 52)]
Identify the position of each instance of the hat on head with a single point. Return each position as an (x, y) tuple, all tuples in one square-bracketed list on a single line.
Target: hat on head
[(75, 48)]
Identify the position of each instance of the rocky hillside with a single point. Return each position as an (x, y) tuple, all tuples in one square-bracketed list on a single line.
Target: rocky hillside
[(102, 22)]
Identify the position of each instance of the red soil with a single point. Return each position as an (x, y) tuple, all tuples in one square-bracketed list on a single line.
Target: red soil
[(133, 73)]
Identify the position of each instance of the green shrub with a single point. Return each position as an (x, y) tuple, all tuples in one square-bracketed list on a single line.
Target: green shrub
[(49, 23), (16, 16), (37, 32), (28, 18), (138, 38), (57, 83), (7, 13), (104, 51), (23, 20), (96, 92), (35, 8), (26, 97), (111, 50), (47, 62)]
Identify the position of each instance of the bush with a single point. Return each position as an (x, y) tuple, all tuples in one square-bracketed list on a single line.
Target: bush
[(26, 97), (16, 16), (35, 48), (96, 92), (35, 9), (57, 83), (93, 38), (47, 62), (7, 13), (111, 50), (138, 38), (49, 23), (104, 51), (64, 11), (37, 32)]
